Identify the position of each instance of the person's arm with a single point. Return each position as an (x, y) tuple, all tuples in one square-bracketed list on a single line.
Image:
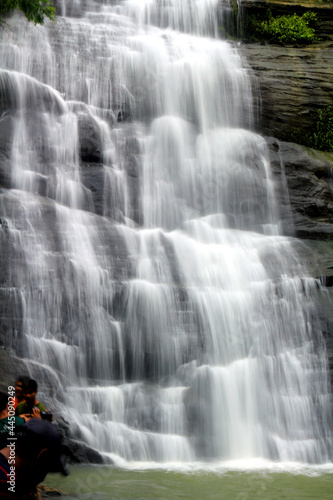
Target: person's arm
[(24, 416), (41, 406)]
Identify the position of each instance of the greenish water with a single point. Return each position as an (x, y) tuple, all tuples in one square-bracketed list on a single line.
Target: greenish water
[(100, 482)]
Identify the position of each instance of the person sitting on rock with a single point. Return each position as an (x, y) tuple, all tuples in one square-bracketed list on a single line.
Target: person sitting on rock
[(20, 383), (31, 407)]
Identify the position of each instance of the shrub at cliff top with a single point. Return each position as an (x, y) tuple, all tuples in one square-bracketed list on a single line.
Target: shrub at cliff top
[(289, 29), (34, 10)]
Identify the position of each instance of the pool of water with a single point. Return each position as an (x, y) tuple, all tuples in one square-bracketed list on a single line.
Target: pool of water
[(213, 483)]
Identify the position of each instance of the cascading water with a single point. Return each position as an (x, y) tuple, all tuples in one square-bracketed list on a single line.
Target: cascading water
[(149, 290)]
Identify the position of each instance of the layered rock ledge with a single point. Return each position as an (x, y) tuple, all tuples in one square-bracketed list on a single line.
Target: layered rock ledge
[(293, 81)]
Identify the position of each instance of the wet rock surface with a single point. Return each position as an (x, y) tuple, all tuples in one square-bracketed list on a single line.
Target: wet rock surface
[(89, 139), (304, 179), (317, 256), (293, 84), (294, 81)]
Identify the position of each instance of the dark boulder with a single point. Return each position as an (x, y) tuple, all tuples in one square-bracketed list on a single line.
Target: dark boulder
[(90, 140), (78, 452)]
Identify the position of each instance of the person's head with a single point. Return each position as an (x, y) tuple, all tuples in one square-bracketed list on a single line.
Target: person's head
[(20, 384), (38, 451), (30, 391), (3, 401)]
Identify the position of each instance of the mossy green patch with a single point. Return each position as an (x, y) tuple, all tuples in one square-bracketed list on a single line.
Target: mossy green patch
[(288, 29), (321, 135)]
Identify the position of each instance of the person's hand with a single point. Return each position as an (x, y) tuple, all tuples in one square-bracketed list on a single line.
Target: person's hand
[(25, 416), (36, 413)]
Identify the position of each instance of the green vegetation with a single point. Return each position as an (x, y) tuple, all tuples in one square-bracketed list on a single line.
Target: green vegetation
[(322, 136), (288, 29), (34, 10), (235, 9)]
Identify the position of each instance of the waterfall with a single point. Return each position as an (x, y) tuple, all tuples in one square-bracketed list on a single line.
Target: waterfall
[(145, 282)]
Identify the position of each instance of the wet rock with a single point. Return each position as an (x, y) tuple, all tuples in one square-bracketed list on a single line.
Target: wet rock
[(90, 140), (36, 95), (317, 256), (48, 492), (5, 172), (6, 134), (11, 367), (133, 168), (93, 177), (79, 452), (132, 146), (293, 84), (304, 183), (293, 81), (6, 140), (74, 450)]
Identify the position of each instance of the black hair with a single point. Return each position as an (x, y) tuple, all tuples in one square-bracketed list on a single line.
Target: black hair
[(24, 379), (30, 386), (3, 401)]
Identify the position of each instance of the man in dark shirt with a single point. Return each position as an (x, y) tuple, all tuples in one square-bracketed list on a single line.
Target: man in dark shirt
[(26, 461)]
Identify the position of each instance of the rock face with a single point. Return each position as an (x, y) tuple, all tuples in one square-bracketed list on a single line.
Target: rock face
[(294, 82), (89, 139), (318, 256), (305, 187), (304, 183)]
